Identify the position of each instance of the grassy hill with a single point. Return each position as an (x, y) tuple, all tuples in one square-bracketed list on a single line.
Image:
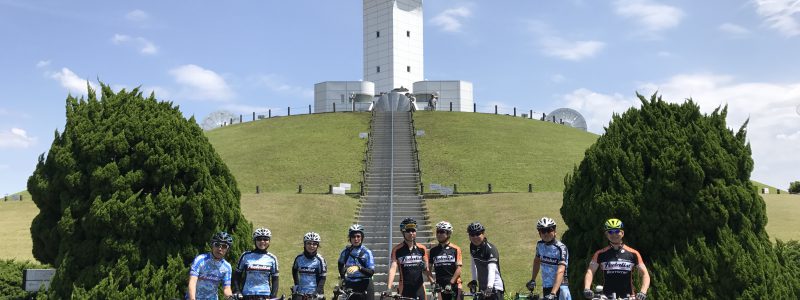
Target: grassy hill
[(278, 154), (472, 150)]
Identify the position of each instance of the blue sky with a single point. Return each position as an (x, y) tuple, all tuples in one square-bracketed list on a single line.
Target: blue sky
[(246, 56)]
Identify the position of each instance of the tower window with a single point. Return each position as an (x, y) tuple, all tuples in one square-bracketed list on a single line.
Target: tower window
[(379, 69), (408, 33), (408, 69), (377, 34)]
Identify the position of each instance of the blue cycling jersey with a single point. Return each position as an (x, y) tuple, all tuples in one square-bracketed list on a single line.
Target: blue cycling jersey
[(210, 274), (552, 255), (308, 271), (258, 270), (359, 256)]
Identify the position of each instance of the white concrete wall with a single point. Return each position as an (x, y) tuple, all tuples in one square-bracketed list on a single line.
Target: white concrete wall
[(457, 91), (398, 49), (339, 92)]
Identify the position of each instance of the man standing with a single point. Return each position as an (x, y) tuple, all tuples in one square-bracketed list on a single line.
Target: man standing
[(617, 261), (357, 265), (445, 260), (485, 264), (210, 270), (552, 257), (412, 259)]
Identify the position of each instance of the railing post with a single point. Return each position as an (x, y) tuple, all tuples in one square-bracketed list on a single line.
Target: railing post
[(455, 188), (530, 115), (354, 106), (289, 111), (334, 106), (300, 189), (361, 183), (421, 188), (515, 111), (270, 114), (254, 116), (258, 189), (231, 123), (495, 109), (530, 188), (451, 106), (309, 109), (490, 188), (330, 189), (240, 118), (474, 107)]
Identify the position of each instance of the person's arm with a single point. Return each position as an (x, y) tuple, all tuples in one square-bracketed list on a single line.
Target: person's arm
[(559, 278), (392, 271), (275, 280), (296, 271), (457, 273), (537, 262), (322, 273), (428, 269), (321, 285), (226, 283), (587, 279), (645, 278), (227, 291), (474, 271), (492, 270), (192, 287)]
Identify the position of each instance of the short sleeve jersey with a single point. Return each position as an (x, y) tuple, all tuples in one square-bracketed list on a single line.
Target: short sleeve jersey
[(445, 260), (412, 262), (552, 255), (308, 271), (617, 266), (357, 256), (210, 273), (258, 270)]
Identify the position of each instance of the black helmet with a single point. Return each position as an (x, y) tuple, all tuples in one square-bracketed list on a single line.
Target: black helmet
[(408, 223), (222, 237), (475, 228)]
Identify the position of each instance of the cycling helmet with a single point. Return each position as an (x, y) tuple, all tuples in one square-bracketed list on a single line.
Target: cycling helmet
[(444, 225), (613, 224), (222, 237), (262, 232), (475, 227), (408, 223), (311, 237), (355, 228), (545, 222)]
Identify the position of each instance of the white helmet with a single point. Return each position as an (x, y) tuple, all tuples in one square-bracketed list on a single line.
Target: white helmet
[(312, 237), (262, 232), (444, 225), (545, 222)]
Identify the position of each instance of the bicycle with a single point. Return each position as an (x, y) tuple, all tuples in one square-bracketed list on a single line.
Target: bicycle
[(530, 295), (598, 295), (344, 294), (238, 296), (477, 295), (395, 296)]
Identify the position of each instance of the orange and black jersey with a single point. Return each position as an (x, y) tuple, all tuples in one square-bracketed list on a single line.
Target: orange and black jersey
[(445, 260), (412, 262), (617, 266)]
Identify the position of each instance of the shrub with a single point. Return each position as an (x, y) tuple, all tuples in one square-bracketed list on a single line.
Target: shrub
[(129, 192)]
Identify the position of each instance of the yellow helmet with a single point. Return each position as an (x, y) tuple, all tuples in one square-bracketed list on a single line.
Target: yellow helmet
[(613, 224)]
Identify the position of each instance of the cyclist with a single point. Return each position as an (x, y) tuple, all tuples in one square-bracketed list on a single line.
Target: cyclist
[(552, 257), (209, 270), (411, 257), (256, 275), (445, 260), (357, 265), (309, 269), (485, 263), (617, 261)]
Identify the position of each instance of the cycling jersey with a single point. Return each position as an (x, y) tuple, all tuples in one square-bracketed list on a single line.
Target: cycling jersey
[(552, 255), (486, 266), (210, 274), (308, 270), (617, 266), (258, 269), (412, 264), (445, 260), (359, 256)]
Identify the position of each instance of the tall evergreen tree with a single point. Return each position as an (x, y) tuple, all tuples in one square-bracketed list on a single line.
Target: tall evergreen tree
[(128, 194), (680, 181)]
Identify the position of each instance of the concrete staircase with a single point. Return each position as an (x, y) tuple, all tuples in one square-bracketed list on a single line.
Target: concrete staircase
[(392, 188)]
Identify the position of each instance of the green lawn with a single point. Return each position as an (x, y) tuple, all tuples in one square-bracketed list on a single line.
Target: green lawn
[(782, 216), (278, 154), (472, 150), (15, 224)]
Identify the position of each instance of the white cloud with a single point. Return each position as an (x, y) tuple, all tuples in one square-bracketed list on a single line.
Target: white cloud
[(201, 84), (71, 81), (650, 15), (781, 15), (137, 15), (42, 63), (570, 50), (276, 84), (451, 20), (16, 138), (734, 30), (773, 130), (144, 45)]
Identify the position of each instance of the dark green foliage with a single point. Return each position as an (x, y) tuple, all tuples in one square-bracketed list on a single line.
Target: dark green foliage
[(11, 279), (794, 187), (127, 185), (680, 181)]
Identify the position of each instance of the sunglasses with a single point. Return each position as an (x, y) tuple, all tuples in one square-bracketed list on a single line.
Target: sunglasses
[(411, 230), (614, 231), (262, 239), (546, 230), (312, 243), (442, 232), (220, 245), (475, 234)]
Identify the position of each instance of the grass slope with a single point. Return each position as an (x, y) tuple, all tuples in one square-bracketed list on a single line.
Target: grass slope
[(279, 154), (472, 150)]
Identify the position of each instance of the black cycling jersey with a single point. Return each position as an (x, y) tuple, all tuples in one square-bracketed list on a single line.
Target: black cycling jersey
[(483, 256), (617, 266), (411, 263), (445, 260)]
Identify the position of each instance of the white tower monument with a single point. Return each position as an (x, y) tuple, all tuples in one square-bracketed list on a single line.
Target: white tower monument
[(393, 55)]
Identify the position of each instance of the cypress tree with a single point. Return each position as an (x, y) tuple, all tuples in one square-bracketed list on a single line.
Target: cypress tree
[(128, 194), (680, 182)]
